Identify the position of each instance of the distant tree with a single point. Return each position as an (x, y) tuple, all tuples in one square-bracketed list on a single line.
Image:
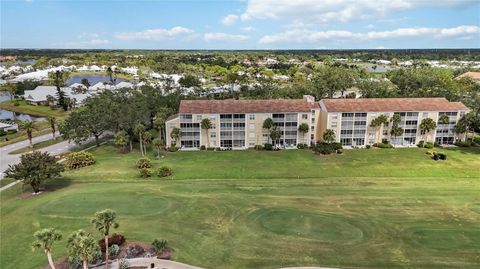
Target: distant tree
[(175, 134), (443, 119), (34, 168), (303, 129), (147, 140), (121, 140), (427, 125), (160, 120), (44, 239), (329, 135), (53, 125), (28, 127), (103, 221), (139, 131), (58, 79), (189, 81), (82, 245), (111, 75), (329, 79), (275, 135), (11, 88), (268, 124), (85, 82), (206, 125)]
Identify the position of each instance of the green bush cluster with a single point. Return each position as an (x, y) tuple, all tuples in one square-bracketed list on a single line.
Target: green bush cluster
[(268, 146), (12, 131), (383, 145), (429, 145), (144, 162), (160, 245), (327, 148), (202, 147), (145, 172), (258, 147), (302, 146), (79, 159), (421, 144), (164, 171), (2, 132), (173, 149), (439, 156)]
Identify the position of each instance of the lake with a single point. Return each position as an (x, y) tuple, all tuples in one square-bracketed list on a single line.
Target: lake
[(92, 79)]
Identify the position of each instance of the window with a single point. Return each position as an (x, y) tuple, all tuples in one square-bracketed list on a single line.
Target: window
[(312, 128), (251, 117), (213, 118), (213, 134), (199, 117), (185, 117), (360, 115), (251, 143), (251, 135), (333, 125), (252, 126), (304, 116), (347, 115), (425, 114)]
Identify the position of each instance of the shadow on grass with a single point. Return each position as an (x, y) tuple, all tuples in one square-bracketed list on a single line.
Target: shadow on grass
[(463, 150)]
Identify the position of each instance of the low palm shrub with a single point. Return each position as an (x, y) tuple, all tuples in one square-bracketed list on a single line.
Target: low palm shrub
[(144, 162), (160, 245), (268, 146), (79, 159), (429, 145), (383, 145), (164, 171), (145, 172)]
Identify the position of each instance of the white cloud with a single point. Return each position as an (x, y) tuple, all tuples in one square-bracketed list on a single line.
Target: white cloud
[(157, 34), (322, 11), (87, 44), (248, 29), (229, 19), (309, 36), (85, 35), (222, 37)]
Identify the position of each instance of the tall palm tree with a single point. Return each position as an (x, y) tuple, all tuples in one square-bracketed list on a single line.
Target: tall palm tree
[(268, 124), (28, 126), (379, 122), (82, 245), (44, 239), (158, 144), (303, 128), (139, 131), (175, 134), (275, 135), (329, 135), (206, 124), (53, 122), (103, 221), (427, 125), (443, 119), (147, 140)]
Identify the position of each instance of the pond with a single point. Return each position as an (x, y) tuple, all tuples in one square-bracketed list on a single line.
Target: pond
[(92, 79), (10, 115)]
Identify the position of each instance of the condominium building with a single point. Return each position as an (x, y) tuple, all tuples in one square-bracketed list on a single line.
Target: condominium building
[(238, 124), (351, 120)]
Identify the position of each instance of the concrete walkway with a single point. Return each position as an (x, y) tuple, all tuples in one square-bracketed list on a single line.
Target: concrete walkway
[(158, 264)]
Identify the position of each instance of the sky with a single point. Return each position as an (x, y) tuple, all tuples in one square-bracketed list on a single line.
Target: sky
[(240, 24)]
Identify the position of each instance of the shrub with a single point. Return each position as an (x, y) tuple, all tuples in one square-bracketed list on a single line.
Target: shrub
[(429, 145), (12, 131), (258, 147), (114, 239), (218, 149), (368, 146), (123, 264), (385, 141), (2, 132), (268, 146), (145, 172), (202, 147), (113, 250), (302, 146), (421, 144), (79, 159), (383, 145), (436, 144), (463, 144), (326, 148), (144, 162), (160, 245), (173, 149), (164, 171), (339, 151), (442, 156), (210, 148), (476, 140), (435, 156)]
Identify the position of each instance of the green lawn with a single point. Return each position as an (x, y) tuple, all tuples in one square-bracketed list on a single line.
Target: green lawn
[(25, 108), (247, 209), (38, 145)]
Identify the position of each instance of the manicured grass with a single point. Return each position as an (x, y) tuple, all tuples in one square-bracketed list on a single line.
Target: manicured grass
[(6, 181), (247, 209), (39, 145), (25, 108), (41, 128)]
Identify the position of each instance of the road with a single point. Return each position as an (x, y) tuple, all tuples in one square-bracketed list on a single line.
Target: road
[(6, 159)]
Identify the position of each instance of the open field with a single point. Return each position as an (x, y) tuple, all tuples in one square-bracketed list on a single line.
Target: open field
[(25, 108), (248, 209)]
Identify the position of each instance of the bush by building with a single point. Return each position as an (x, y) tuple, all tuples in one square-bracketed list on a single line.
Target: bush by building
[(79, 159)]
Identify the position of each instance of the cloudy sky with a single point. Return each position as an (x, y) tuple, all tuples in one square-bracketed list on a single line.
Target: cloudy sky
[(240, 24)]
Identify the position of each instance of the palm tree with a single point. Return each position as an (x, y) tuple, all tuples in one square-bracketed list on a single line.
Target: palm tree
[(52, 121), (175, 134), (147, 139), (427, 125), (160, 120), (158, 145), (44, 239), (443, 119), (121, 139), (396, 130), (329, 136), (275, 134), (303, 128), (103, 221), (139, 131), (28, 126), (268, 124), (206, 124), (82, 245), (379, 122)]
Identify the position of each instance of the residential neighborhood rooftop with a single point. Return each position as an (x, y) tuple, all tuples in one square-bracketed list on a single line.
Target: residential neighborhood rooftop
[(244, 106), (391, 104)]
